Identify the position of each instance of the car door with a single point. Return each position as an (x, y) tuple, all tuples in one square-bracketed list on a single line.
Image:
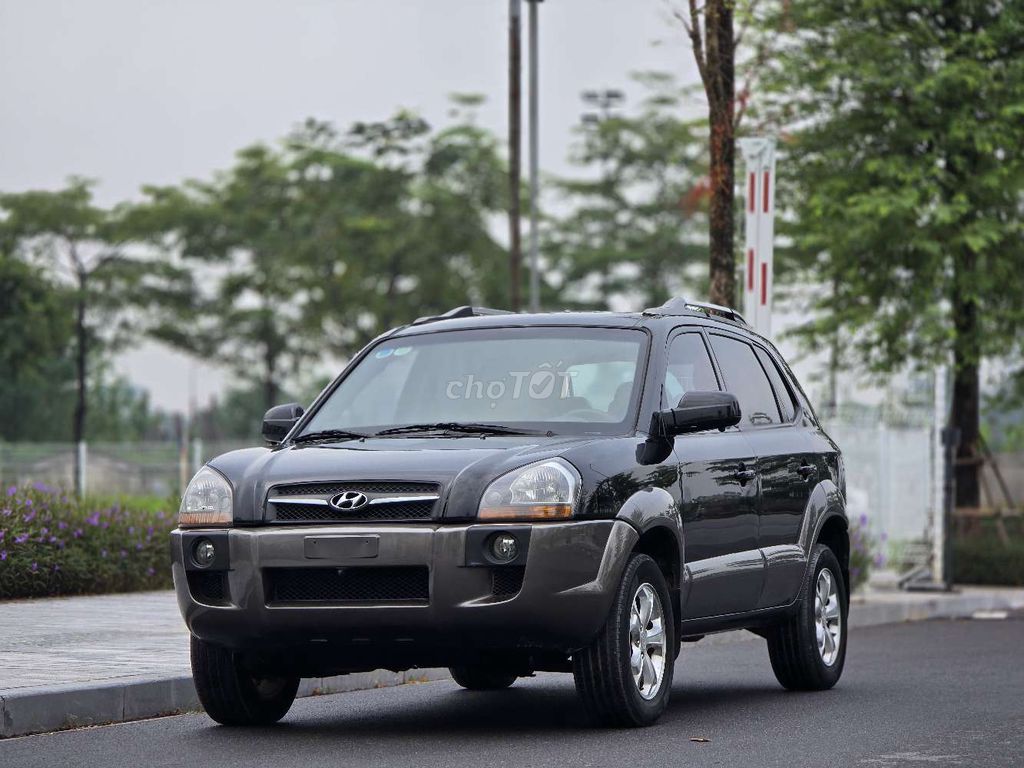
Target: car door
[(718, 495), (780, 448), (788, 473)]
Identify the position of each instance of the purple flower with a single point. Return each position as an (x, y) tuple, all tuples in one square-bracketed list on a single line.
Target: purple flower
[(34, 567), (139, 546), (104, 524), (62, 525), (149, 571), (53, 539), (124, 554), (56, 567), (93, 519), (2, 534), (12, 490), (29, 517), (78, 533), (44, 531), (131, 530), (21, 539), (103, 553), (6, 512), (3, 555), (28, 502)]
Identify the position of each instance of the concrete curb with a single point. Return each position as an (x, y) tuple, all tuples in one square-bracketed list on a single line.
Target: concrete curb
[(25, 711)]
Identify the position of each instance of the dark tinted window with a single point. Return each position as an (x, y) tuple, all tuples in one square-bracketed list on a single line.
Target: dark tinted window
[(785, 398), (689, 368), (746, 379)]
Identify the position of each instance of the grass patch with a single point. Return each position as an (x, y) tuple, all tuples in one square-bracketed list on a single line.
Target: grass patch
[(52, 544)]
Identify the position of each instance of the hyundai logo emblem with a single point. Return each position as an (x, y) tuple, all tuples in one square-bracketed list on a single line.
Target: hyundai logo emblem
[(349, 500)]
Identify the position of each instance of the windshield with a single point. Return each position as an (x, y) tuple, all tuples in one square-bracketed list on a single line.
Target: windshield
[(562, 380)]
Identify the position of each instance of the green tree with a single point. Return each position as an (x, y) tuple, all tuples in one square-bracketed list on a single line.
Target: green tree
[(637, 217), (113, 289), (311, 248), (35, 333), (905, 164)]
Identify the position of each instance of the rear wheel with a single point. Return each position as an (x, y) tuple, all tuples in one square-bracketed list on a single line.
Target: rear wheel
[(480, 678), (808, 650), (231, 694), (625, 676)]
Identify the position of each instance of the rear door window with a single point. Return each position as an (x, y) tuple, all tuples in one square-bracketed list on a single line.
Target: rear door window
[(785, 397)]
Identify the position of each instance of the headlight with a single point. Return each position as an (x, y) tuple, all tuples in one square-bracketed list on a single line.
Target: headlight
[(547, 490), (207, 501)]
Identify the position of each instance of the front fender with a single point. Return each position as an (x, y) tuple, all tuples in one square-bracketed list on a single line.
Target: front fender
[(655, 508)]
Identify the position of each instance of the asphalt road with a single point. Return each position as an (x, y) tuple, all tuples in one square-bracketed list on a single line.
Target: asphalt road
[(930, 693)]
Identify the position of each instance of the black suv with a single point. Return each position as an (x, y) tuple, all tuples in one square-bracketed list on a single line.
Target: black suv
[(501, 494)]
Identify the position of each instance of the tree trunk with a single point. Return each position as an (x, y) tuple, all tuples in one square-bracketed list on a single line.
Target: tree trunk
[(81, 380), (966, 415), (715, 52)]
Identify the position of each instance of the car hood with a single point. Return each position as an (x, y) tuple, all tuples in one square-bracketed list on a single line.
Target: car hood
[(463, 466)]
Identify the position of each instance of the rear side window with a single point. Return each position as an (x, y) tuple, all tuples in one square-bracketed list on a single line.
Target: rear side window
[(746, 379), (785, 397), (689, 369)]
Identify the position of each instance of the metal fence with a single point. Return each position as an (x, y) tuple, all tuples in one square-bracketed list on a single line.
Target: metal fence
[(148, 469), (893, 476), (893, 483)]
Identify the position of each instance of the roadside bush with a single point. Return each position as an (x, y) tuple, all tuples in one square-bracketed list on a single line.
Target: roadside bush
[(865, 552), (980, 557), (52, 544)]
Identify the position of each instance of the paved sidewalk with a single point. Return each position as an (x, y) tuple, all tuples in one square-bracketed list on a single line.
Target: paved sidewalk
[(84, 660)]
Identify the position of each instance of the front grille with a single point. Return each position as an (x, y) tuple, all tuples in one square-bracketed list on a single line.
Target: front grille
[(385, 496), (208, 587), (372, 487), (399, 510), (348, 585), (507, 581)]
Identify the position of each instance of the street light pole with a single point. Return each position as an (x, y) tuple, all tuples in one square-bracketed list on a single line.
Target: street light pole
[(515, 147), (534, 157)]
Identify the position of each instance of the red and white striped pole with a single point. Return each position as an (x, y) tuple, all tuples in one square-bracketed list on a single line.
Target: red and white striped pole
[(758, 266)]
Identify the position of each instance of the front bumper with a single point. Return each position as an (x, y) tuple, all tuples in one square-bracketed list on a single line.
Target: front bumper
[(568, 580)]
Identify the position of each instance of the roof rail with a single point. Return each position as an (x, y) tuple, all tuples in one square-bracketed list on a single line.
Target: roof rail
[(679, 305), (457, 312)]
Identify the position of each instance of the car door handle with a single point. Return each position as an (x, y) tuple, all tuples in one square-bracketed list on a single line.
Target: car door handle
[(745, 476), (807, 470)]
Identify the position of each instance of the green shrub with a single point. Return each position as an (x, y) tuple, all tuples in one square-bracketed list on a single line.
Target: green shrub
[(865, 552), (981, 558), (51, 544)]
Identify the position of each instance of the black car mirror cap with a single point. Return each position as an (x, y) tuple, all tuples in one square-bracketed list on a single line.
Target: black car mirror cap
[(698, 411), (279, 420)]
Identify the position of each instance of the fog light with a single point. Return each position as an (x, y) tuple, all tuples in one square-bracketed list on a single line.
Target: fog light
[(203, 553), (504, 547)]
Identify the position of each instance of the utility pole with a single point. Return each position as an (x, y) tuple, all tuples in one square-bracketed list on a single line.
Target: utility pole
[(515, 120), (534, 157)]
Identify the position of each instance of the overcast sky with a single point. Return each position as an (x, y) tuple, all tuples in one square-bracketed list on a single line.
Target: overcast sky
[(131, 92)]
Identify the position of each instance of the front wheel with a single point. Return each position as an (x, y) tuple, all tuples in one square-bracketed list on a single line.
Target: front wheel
[(231, 694), (625, 676), (808, 650)]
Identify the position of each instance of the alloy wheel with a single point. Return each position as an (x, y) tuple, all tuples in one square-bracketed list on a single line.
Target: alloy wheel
[(828, 619), (647, 641)]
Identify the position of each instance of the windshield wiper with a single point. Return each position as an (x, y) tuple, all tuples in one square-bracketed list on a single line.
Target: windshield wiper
[(461, 427), (329, 434)]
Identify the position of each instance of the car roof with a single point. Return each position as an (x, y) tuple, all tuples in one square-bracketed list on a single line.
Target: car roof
[(466, 318)]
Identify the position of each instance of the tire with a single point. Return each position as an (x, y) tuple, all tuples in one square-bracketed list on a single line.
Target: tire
[(479, 678), (232, 695), (604, 670), (802, 657)]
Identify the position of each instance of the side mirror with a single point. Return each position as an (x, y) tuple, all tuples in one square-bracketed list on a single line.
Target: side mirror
[(279, 420), (696, 412)]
